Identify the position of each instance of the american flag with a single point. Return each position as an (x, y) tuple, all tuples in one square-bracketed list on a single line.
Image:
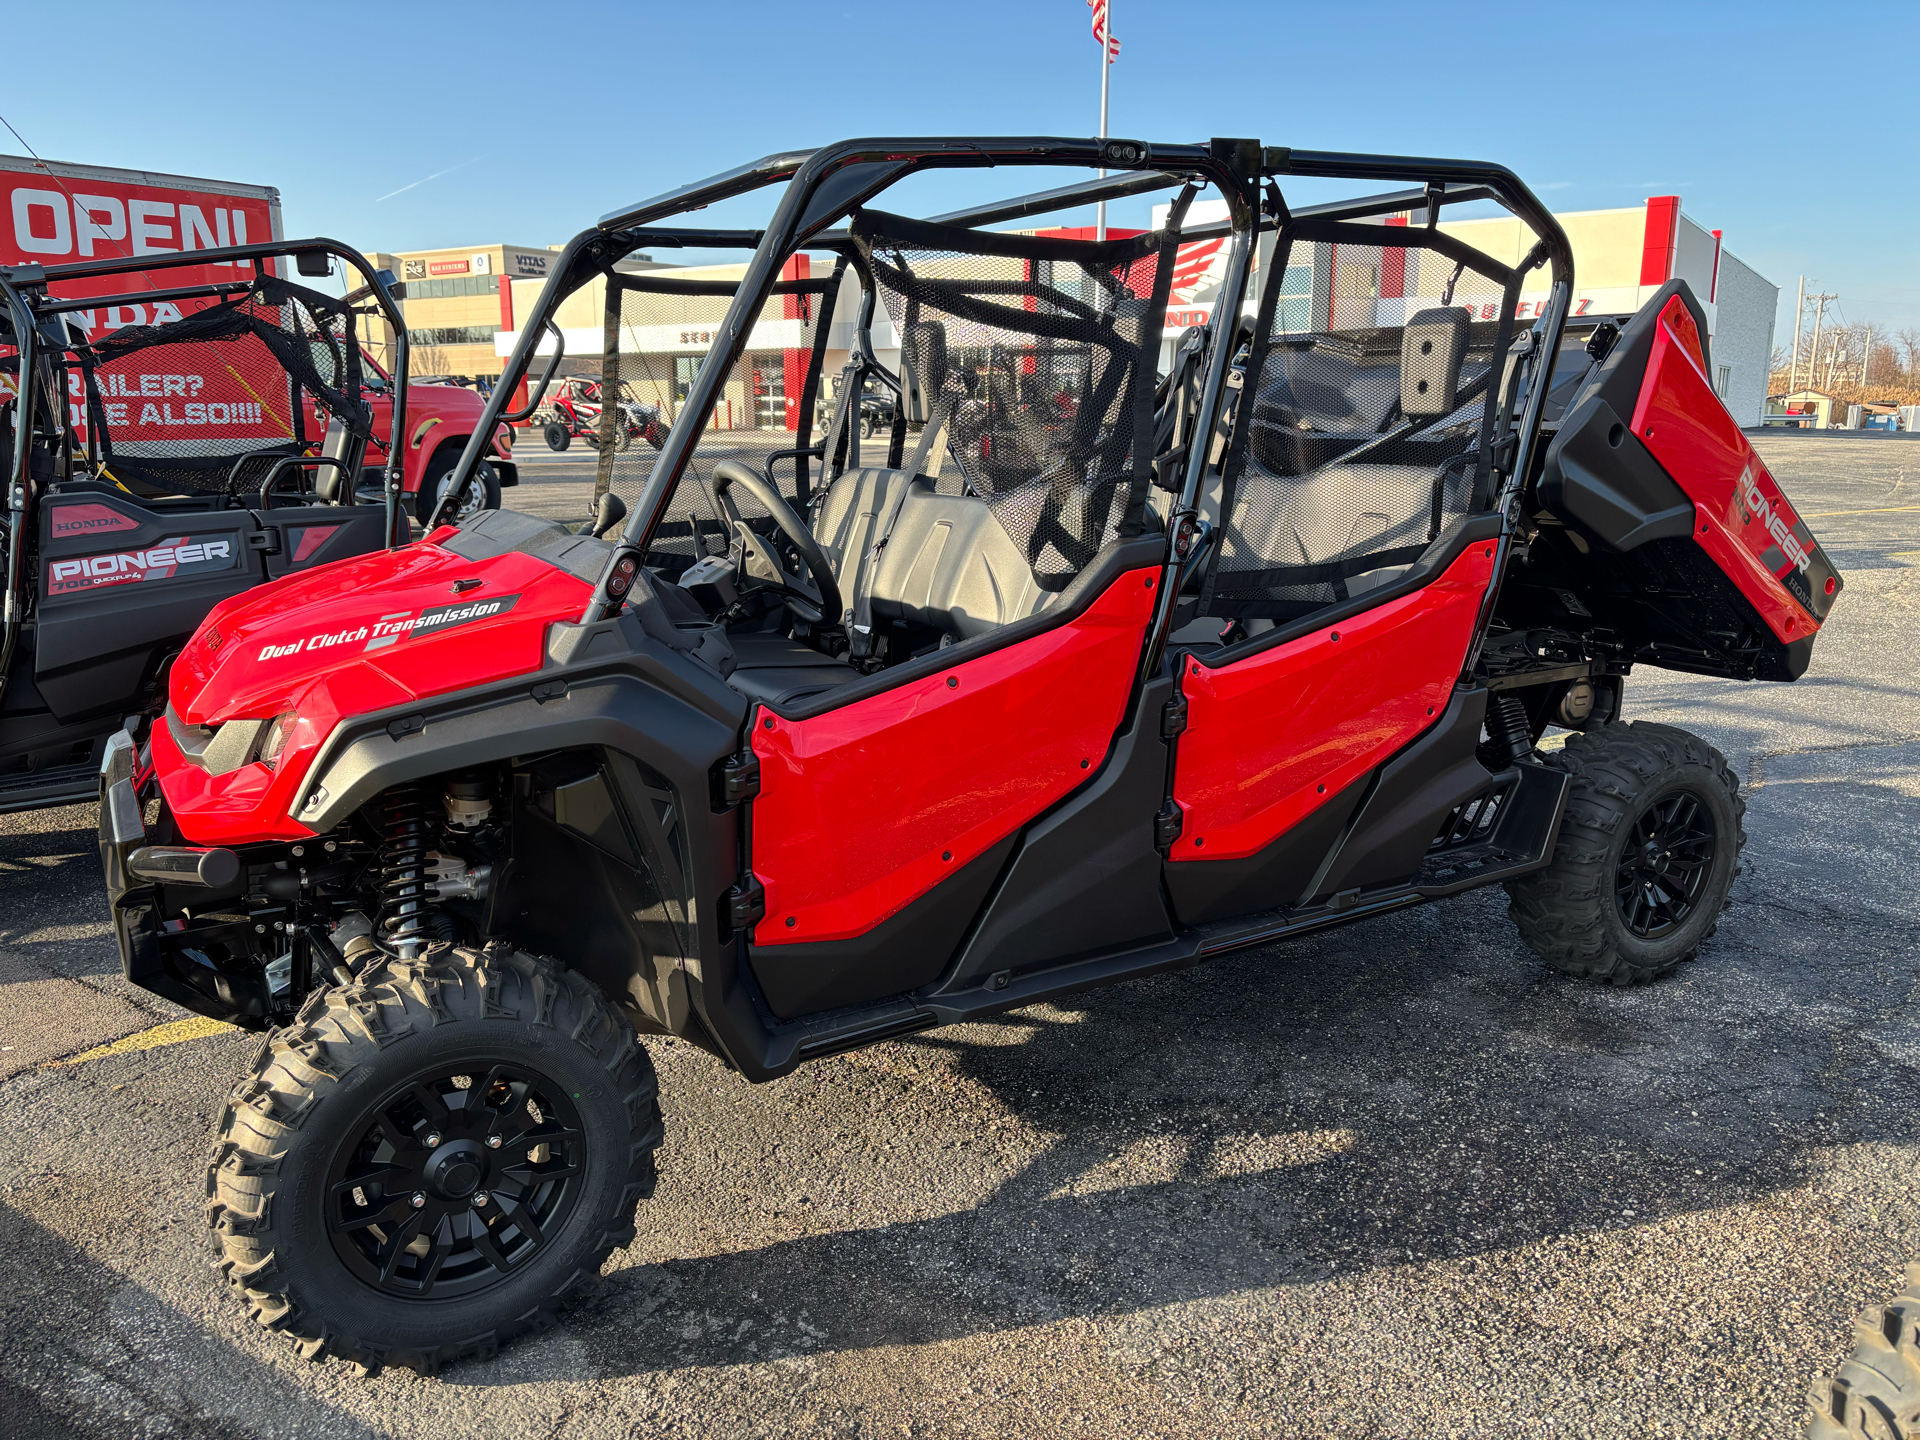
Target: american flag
[(1100, 19)]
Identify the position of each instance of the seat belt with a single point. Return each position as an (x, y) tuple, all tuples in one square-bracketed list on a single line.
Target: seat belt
[(860, 630)]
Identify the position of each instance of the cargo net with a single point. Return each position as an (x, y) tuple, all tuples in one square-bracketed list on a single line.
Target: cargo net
[(1029, 363), (209, 402), (662, 331), (1373, 376)]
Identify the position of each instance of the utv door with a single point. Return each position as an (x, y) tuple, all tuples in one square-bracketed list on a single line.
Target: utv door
[(1326, 735), (1021, 573)]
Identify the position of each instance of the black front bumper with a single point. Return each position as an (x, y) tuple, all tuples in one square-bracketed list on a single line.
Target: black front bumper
[(139, 908)]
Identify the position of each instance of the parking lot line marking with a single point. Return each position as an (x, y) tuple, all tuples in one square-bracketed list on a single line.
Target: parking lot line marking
[(1891, 510), (171, 1034)]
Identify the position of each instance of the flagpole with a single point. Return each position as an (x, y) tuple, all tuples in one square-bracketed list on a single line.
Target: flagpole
[(1107, 24)]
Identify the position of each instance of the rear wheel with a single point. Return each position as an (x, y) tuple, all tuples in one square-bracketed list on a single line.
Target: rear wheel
[(1877, 1391), (1649, 848), (433, 1159), (556, 436)]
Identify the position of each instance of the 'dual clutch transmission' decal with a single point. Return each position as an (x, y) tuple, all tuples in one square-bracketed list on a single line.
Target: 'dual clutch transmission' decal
[(394, 627)]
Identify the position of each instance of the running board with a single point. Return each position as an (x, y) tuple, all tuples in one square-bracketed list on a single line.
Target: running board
[(1515, 834), (54, 786), (1519, 838)]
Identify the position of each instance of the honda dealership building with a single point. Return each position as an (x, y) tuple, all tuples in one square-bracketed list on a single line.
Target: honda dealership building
[(1621, 257)]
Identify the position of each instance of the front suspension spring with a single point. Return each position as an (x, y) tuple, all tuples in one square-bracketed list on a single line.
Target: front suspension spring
[(406, 824)]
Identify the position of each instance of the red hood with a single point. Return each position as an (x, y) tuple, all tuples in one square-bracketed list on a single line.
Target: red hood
[(342, 640)]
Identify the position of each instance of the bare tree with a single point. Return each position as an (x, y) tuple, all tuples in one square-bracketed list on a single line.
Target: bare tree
[(428, 360)]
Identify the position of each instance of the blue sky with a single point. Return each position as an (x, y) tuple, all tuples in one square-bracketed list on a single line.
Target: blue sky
[(1792, 130)]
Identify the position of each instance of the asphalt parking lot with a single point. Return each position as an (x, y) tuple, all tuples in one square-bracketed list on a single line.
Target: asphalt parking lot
[(1392, 1179)]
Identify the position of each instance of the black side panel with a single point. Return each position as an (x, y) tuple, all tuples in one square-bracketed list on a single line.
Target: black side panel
[(1618, 379), (1602, 480), (903, 953), (648, 708), (310, 535), (577, 889), (122, 587), (1279, 875), (1417, 790), (1086, 880)]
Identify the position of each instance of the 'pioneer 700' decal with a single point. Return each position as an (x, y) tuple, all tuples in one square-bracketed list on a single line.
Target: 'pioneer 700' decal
[(179, 555), (395, 627)]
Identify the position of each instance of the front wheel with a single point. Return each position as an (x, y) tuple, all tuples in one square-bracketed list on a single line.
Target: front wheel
[(482, 493), (1877, 1391), (1649, 848), (556, 435), (433, 1159)]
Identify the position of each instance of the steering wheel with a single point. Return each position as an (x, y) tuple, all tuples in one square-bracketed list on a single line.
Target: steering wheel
[(816, 592)]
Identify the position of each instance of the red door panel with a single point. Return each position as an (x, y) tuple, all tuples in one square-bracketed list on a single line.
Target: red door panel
[(867, 807), (1272, 737), (1742, 520)]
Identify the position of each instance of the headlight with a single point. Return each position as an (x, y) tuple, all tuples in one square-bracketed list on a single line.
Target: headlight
[(274, 739)]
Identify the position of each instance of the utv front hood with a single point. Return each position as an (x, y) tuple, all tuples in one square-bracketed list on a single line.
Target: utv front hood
[(422, 619), (363, 635)]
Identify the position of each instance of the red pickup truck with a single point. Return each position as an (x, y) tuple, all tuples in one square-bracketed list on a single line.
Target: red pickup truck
[(440, 418)]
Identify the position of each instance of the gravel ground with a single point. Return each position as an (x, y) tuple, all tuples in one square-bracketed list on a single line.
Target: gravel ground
[(1391, 1179)]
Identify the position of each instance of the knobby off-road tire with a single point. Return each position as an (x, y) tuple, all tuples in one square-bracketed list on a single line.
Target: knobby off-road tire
[(1877, 1391), (1626, 778), (341, 1087)]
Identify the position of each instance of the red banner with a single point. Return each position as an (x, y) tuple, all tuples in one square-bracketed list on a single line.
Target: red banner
[(52, 220)]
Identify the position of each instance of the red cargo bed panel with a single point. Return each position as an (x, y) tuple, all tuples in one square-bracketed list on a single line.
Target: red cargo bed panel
[(1742, 520)]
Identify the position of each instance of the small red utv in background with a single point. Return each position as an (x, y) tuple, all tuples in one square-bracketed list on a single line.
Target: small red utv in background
[(1098, 674), (574, 413)]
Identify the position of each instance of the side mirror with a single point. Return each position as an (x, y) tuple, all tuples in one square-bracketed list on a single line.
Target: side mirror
[(1432, 348)]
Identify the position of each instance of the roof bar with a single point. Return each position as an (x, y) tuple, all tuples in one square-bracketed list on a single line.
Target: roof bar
[(1084, 192), (702, 193)]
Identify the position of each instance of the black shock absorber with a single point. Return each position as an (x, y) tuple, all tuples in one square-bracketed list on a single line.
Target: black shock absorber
[(1507, 727), (407, 822)]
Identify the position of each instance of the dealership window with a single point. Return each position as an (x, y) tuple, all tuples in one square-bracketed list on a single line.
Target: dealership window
[(1723, 377), (464, 285), (1296, 299), (686, 371), (769, 374), (452, 334)]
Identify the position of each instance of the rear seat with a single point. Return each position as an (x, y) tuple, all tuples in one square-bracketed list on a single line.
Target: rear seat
[(1334, 513)]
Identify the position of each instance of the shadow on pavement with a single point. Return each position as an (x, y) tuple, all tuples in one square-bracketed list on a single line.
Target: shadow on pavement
[(1410, 1088), (90, 1352)]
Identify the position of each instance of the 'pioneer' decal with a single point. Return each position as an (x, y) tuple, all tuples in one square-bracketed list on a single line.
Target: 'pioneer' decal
[(179, 555), (1779, 521), (395, 627)]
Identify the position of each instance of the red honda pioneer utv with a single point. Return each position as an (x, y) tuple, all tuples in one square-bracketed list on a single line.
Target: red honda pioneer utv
[(1110, 672), (157, 469)]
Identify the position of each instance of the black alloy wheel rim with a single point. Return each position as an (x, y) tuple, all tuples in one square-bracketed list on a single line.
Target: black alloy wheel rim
[(456, 1181), (1664, 865)]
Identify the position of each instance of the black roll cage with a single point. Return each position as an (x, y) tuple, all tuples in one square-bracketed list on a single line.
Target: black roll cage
[(825, 185), (24, 292)]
